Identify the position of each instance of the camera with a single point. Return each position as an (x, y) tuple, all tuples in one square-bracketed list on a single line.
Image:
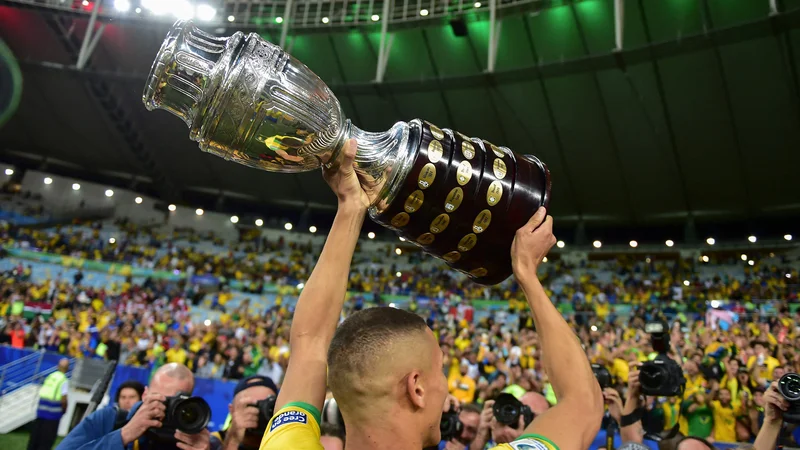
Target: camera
[(189, 415), (507, 410), (266, 408), (789, 387), (450, 426), (661, 377), (603, 376)]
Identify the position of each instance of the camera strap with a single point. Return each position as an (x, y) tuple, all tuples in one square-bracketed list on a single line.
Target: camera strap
[(632, 418)]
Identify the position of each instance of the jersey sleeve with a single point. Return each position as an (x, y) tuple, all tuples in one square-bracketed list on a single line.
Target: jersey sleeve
[(294, 426), (528, 442)]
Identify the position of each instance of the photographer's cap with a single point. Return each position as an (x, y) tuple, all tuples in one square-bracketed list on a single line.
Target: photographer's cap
[(255, 380)]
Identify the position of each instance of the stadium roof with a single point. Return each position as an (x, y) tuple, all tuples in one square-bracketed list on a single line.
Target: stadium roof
[(698, 113)]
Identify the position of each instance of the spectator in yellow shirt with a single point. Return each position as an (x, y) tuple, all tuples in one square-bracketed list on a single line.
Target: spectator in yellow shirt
[(176, 353), (462, 386), (725, 412), (761, 365)]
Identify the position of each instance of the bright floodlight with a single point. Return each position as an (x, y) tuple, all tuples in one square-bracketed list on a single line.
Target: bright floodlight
[(376, 17), (402, 239), (207, 322), (231, 18), (109, 193), (751, 262), (122, 5), (312, 229), (711, 241), (398, 274), (669, 243), (206, 12), (199, 211), (48, 180), (560, 244), (325, 20), (398, 251), (597, 244), (259, 222), (9, 172), (633, 244), (744, 257), (788, 237), (138, 10), (752, 239), (544, 259), (234, 219), (172, 207), (111, 240), (157, 7), (76, 187), (371, 235), (686, 282), (301, 285), (704, 258), (594, 327), (423, 12), (85, 3), (287, 226), (279, 19), (477, 4), (138, 200), (788, 275)]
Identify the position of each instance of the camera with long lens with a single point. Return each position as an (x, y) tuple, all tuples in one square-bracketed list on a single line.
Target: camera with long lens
[(266, 408), (661, 377), (603, 376), (186, 414), (789, 387), (450, 426), (507, 410)]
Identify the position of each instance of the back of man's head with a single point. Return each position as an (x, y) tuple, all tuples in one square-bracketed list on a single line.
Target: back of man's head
[(385, 364)]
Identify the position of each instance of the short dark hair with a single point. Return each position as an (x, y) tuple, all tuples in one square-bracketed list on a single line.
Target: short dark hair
[(329, 429), (360, 338), (130, 384)]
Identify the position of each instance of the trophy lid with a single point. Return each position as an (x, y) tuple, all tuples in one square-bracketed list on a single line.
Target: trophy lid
[(188, 69)]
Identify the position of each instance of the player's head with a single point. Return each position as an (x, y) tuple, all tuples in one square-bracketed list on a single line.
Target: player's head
[(385, 364)]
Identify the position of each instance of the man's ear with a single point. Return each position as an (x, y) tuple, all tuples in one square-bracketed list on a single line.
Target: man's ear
[(415, 390)]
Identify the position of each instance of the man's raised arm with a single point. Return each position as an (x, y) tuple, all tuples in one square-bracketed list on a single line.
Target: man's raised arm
[(320, 304), (573, 423)]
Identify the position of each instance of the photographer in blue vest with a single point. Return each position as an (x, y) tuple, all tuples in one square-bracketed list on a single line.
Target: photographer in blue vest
[(52, 404)]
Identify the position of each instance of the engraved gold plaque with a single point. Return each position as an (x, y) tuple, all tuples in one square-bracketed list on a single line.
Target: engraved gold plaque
[(400, 220), (499, 169), (467, 149), (440, 223), (436, 131), (435, 151), (497, 151), (414, 201), (467, 242), (482, 221), (452, 257), (454, 199), (464, 173), (426, 239), (495, 193), (426, 176), (479, 272)]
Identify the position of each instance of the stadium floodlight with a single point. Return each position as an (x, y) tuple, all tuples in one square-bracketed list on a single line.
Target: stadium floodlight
[(787, 237), (686, 282), (788, 275), (669, 243), (182, 9), (423, 12), (259, 222), (751, 262), (111, 240), (199, 211), (398, 251), (301, 285), (402, 239), (312, 229), (704, 258), (376, 17), (371, 235), (206, 12), (633, 244), (76, 187), (477, 4), (288, 226), (138, 10), (172, 208), (744, 257), (279, 19), (85, 3), (560, 244), (325, 20), (9, 172), (122, 5), (711, 241), (48, 180), (752, 239), (398, 274), (544, 259), (597, 244), (138, 200), (157, 7), (109, 193), (231, 18), (234, 219)]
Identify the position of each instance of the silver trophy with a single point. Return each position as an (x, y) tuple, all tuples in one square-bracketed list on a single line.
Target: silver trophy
[(246, 100)]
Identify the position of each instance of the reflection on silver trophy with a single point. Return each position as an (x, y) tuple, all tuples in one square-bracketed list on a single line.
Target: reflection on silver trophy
[(248, 101)]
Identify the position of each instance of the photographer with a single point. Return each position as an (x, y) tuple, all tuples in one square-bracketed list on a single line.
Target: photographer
[(774, 407), (473, 426), (106, 429), (243, 431)]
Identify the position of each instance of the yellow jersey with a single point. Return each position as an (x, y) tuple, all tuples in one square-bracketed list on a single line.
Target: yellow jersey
[(725, 421), (528, 442), (294, 426)]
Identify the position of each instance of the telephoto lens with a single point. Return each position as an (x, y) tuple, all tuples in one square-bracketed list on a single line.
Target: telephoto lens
[(789, 387), (450, 426), (186, 414), (507, 410)]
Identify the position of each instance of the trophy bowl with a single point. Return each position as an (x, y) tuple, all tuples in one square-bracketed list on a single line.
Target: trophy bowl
[(244, 99)]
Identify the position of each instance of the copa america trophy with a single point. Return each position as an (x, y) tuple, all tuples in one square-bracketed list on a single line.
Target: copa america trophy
[(246, 100)]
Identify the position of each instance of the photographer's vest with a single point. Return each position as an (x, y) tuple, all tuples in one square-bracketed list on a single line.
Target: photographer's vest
[(50, 397)]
